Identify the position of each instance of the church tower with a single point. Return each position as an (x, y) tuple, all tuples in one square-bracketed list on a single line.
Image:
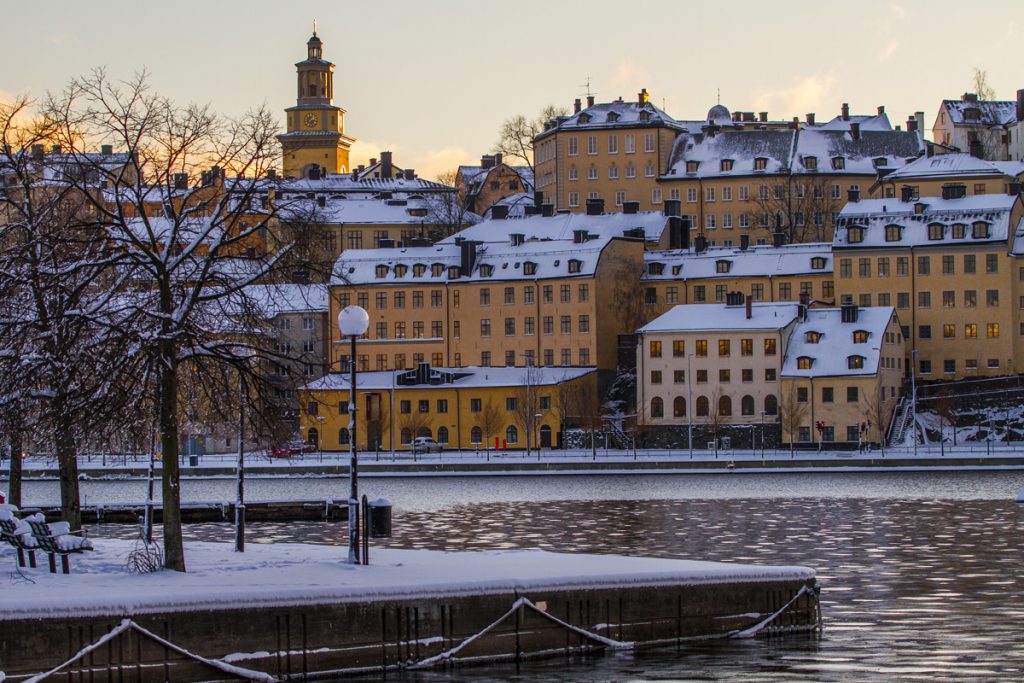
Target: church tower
[(315, 142)]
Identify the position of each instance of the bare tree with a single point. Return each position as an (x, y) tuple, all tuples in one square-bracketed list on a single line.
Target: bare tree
[(792, 413), (874, 409), (716, 418), (491, 421), (801, 206), (191, 251), (515, 137), (527, 406), (579, 407), (981, 87), (446, 212), (946, 408), (416, 422)]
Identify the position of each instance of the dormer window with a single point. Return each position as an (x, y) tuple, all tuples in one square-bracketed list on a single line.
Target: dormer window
[(893, 233), (486, 270), (418, 269), (838, 163), (860, 337), (575, 265), (980, 230), (972, 114), (382, 271), (811, 163), (437, 269), (818, 263), (881, 161), (584, 118), (645, 116), (722, 266), (855, 362), (655, 268), (726, 165), (760, 163), (529, 268), (854, 234), (453, 272), (613, 116), (959, 231), (812, 337), (401, 270), (936, 231), (804, 363), (692, 166), (676, 270)]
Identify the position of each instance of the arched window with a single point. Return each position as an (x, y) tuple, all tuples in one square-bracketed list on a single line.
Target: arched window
[(747, 405), (442, 435), (406, 436), (702, 406), (771, 405), (424, 431), (512, 434), (657, 407), (476, 435), (679, 407), (725, 406), (313, 436), (342, 437)]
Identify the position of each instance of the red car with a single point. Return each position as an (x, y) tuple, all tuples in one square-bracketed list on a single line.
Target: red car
[(292, 448)]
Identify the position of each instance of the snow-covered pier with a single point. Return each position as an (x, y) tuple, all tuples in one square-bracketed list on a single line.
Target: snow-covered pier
[(284, 610)]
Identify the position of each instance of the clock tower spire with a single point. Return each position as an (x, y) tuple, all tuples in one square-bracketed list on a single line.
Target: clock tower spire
[(315, 141)]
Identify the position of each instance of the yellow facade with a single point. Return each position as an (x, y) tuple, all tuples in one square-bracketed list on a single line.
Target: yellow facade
[(467, 410), (315, 142)]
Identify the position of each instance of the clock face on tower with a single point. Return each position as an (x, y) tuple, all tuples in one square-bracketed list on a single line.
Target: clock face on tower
[(310, 120)]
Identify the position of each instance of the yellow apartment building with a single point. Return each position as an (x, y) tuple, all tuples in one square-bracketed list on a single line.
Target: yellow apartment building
[(543, 290), (761, 273), (460, 408), (481, 187), (949, 175), (951, 268)]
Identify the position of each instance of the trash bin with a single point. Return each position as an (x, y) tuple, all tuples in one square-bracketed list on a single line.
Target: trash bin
[(193, 461), (380, 518)]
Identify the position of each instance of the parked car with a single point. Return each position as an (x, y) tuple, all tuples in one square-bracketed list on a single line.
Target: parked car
[(424, 444), (292, 448)]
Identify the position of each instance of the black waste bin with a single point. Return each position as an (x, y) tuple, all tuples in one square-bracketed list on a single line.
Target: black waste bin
[(380, 518), (193, 461)]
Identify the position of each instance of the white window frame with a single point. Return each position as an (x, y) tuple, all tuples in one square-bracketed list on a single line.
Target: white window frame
[(574, 199), (656, 195), (648, 142)]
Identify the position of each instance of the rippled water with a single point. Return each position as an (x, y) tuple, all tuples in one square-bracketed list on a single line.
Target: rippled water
[(921, 573)]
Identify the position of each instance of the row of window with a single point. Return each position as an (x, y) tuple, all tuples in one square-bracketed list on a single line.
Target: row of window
[(547, 293), (924, 265), (949, 331), (700, 292), (724, 376), (399, 298), (700, 347), (528, 358), (530, 328), (936, 231), (282, 322), (628, 147), (949, 365), (629, 171), (565, 358), (761, 164), (702, 406)]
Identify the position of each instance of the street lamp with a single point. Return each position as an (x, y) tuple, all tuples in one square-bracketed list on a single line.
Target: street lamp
[(320, 436), (689, 406), (353, 322), (536, 421)]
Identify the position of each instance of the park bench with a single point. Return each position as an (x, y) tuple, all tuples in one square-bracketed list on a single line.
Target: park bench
[(17, 534), (57, 539)]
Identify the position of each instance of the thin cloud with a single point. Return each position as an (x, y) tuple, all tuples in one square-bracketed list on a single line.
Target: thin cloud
[(810, 93)]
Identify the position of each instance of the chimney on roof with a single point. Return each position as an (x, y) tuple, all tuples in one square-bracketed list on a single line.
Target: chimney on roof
[(970, 97), (55, 149), (911, 124), (181, 181), (805, 299), (497, 159), (595, 207), (530, 210), (576, 106), (976, 149), (853, 194), (373, 161), (631, 207), (642, 97), (499, 212), (538, 199), (810, 118), (673, 207), (1020, 105), (272, 173), (846, 111), (314, 173), (590, 100), (855, 130), (750, 307), (547, 210), (744, 242), (881, 109), (737, 116), (106, 149), (467, 257), (38, 151), (410, 174), (1014, 189), (487, 161), (386, 170), (678, 233), (762, 117), (700, 243)]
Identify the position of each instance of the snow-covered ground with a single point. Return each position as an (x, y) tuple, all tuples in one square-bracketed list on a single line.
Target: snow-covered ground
[(291, 573)]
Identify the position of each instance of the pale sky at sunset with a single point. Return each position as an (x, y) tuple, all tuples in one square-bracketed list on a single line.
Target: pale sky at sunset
[(432, 81)]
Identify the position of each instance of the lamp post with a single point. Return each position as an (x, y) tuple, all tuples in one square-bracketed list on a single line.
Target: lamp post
[(320, 437), (689, 406), (353, 322), (913, 397), (536, 421)]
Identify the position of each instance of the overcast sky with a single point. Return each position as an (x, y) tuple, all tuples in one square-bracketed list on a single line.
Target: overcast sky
[(432, 81)]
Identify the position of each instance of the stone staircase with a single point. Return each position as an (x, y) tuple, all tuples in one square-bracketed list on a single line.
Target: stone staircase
[(901, 422)]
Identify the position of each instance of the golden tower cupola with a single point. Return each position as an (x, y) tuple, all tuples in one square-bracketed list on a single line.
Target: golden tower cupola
[(315, 142)]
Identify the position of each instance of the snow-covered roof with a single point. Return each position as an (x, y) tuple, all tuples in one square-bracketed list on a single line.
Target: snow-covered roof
[(343, 182), (959, 164), (338, 210), (475, 177), (767, 152), (618, 114), (760, 261), (875, 122), (516, 204), (470, 377), (722, 317), (871, 217), (561, 226), (831, 352), (990, 112), (282, 299)]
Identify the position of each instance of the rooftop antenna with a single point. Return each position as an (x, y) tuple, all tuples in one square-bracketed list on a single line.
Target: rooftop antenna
[(718, 90), (587, 86)]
